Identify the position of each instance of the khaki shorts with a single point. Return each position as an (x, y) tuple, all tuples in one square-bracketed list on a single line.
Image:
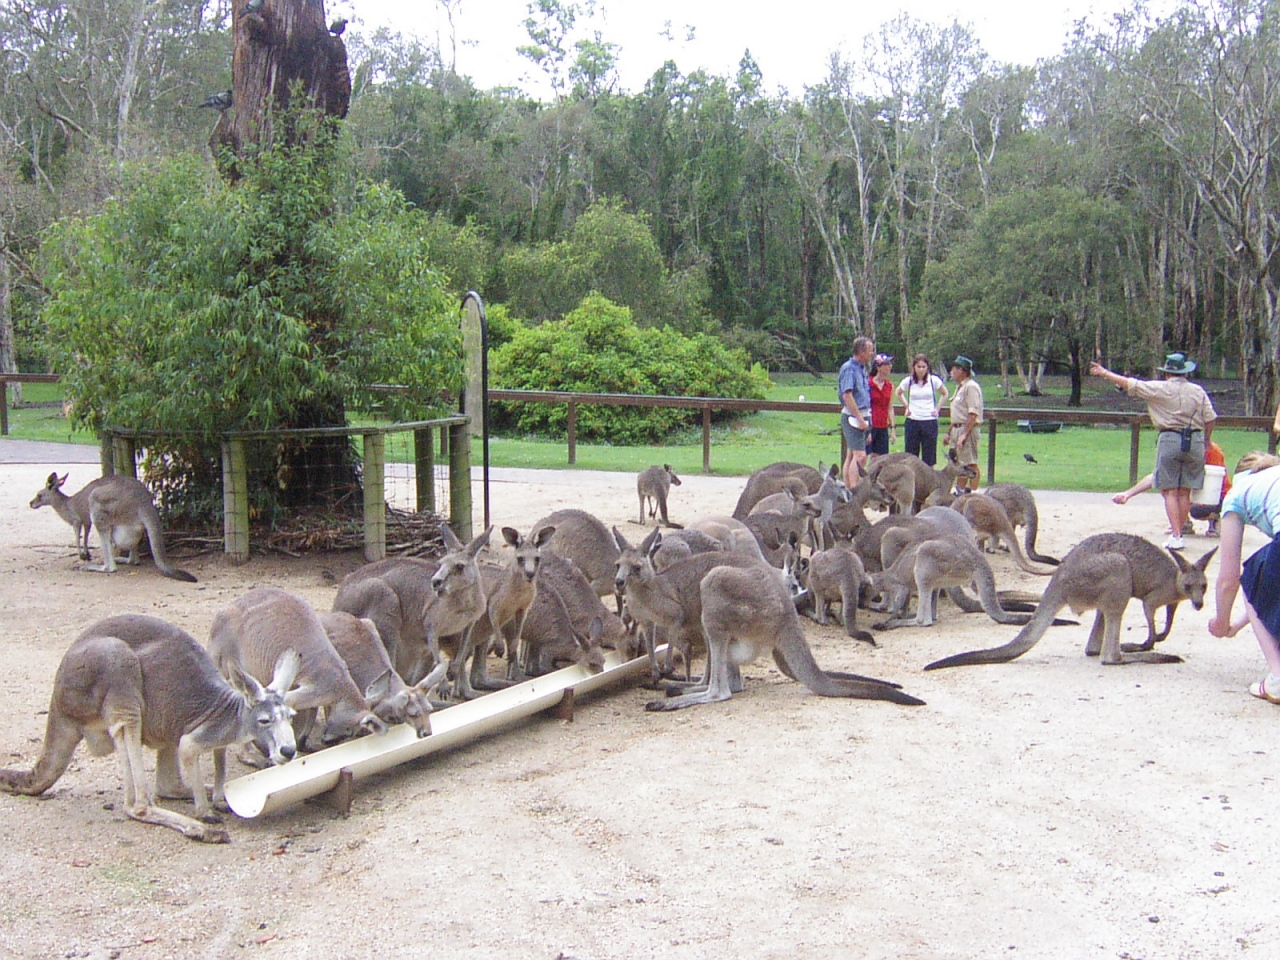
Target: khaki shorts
[(967, 452)]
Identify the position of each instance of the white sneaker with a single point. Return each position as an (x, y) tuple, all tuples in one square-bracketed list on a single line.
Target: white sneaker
[(1174, 543)]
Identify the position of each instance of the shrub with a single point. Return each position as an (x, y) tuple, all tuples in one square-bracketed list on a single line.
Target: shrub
[(598, 348)]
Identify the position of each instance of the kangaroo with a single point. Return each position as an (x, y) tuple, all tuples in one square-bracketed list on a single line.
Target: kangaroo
[(582, 538), (415, 602), (1020, 505), (819, 506), (357, 642), (837, 574), (509, 593), (774, 531), (122, 508), (748, 611), (565, 581), (908, 481), (928, 566), (787, 502), (557, 641), (1103, 573), (653, 484), (801, 478), (680, 544), (850, 517), (133, 681), (252, 631), (991, 523), (734, 535)]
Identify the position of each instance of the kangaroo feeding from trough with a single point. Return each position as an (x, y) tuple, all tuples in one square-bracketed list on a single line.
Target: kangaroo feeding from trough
[(122, 509), (133, 681)]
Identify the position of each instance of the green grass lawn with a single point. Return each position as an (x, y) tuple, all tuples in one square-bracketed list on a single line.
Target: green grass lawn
[(1076, 458)]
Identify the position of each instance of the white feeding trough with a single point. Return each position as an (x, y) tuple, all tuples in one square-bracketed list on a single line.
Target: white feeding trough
[(336, 768)]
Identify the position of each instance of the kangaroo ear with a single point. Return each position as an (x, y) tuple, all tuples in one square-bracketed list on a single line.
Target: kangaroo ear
[(380, 689), (833, 472), (243, 683), (595, 630), (451, 542), (650, 544), (542, 536), (285, 672), (511, 535), (1203, 562), (1180, 560), (620, 541), (479, 543)]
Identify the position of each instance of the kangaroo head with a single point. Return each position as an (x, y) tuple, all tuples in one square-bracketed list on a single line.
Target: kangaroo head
[(590, 654), (48, 494), (344, 720), (406, 705), (269, 723), (1192, 582), (631, 561), (671, 475), (457, 569), (528, 549)]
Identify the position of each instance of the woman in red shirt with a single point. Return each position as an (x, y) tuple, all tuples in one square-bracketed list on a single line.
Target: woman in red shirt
[(883, 423)]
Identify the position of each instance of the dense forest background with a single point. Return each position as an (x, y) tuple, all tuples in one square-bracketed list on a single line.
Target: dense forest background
[(1116, 200)]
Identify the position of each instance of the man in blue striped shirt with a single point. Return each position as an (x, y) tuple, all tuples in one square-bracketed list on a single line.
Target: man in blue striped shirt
[(855, 418)]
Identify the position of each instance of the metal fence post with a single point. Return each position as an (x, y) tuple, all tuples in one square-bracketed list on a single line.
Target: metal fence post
[(991, 450), (460, 481), (235, 501), (375, 504)]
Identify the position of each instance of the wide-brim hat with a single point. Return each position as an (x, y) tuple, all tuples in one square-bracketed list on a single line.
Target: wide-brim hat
[(964, 363), (1177, 363)]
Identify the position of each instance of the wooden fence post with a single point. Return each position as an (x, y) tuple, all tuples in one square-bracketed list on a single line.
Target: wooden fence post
[(991, 451), (706, 439), (1135, 438), (106, 455), (235, 501), (424, 470), (125, 457), (460, 481), (375, 504), (573, 432)]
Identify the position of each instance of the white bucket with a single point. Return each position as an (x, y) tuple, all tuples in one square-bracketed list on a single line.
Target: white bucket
[(1211, 492)]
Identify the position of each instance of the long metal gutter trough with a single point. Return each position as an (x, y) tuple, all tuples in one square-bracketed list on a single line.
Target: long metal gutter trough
[(336, 768)]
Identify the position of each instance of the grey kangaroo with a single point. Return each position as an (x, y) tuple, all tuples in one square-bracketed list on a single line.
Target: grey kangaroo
[(1103, 573), (252, 631), (133, 681), (800, 478), (749, 611), (991, 523), (653, 485), (122, 509), (584, 539), (1020, 505), (836, 574)]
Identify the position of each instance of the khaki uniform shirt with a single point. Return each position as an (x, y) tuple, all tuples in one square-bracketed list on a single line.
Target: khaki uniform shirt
[(968, 399), (1174, 403)]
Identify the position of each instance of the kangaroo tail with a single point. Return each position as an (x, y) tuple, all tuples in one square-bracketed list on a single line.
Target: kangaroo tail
[(151, 520), (1027, 638), (1029, 539)]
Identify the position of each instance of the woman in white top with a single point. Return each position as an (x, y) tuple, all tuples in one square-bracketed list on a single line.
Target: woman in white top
[(1254, 499), (923, 394)]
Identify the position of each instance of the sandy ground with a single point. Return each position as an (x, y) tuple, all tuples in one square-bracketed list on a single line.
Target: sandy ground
[(1043, 808)]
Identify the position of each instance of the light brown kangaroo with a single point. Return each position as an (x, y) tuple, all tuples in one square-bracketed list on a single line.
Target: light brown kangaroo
[(747, 612), (122, 508), (1103, 573), (252, 631), (1020, 505), (357, 642), (653, 485), (800, 478), (991, 523), (734, 535), (908, 481), (584, 539), (414, 603), (837, 575), (679, 544), (133, 681), (509, 593)]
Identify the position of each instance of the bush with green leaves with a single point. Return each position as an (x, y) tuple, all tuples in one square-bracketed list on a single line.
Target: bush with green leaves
[(196, 307), (598, 348)]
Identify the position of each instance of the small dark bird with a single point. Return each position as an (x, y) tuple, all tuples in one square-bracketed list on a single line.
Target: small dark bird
[(1029, 458), (338, 26), (253, 6), (218, 101)]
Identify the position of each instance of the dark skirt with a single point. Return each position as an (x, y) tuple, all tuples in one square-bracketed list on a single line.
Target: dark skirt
[(1260, 581)]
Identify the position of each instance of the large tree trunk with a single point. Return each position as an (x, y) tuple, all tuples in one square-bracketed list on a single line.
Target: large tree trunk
[(283, 47)]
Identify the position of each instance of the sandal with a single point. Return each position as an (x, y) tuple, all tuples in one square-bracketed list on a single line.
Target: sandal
[(1260, 691)]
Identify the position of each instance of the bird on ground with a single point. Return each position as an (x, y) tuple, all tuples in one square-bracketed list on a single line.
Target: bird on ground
[(218, 101), (1029, 458), (338, 26), (253, 6)]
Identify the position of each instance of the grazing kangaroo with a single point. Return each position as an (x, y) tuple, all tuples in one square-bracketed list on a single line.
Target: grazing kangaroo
[(837, 574), (908, 481), (1020, 505), (252, 631), (1103, 573), (509, 592), (133, 681), (414, 603), (653, 484), (991, 523), (357, 642), (800, 478), (747, 612), (584, 539), (122, 508)]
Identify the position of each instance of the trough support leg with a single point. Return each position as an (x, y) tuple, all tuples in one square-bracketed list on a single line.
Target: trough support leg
[(340, 797), (564, 709)]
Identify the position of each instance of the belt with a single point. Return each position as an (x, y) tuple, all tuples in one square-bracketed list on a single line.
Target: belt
[(1180, 430)]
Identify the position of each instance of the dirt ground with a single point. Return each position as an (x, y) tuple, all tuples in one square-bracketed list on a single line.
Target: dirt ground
[(1044, 808)]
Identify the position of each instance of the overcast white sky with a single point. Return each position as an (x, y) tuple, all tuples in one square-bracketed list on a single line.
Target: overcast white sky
[(791, 39)]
